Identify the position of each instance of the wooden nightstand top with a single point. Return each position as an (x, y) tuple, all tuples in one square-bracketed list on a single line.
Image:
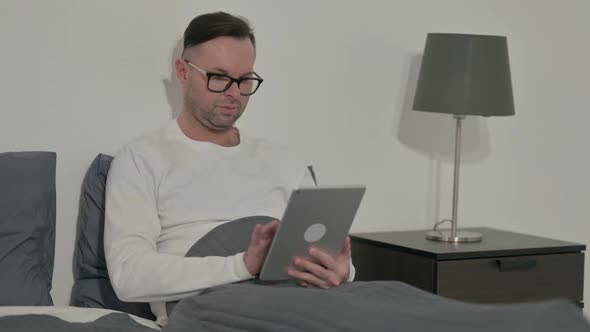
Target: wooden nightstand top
[(495, 243)]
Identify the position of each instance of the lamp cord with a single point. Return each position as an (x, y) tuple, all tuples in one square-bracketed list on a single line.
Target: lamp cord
[(441, 222)]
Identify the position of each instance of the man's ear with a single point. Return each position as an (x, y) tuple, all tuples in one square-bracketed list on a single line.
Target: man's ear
[(181, 71)]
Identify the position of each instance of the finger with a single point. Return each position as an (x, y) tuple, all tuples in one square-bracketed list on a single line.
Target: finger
[(308, 278), (270, 227), (271, 231), (259, 238), (255, 234), (346, 248), (275, 225), (326, 275), (324, 258), (273, 228), (262, 230), (301, 283)]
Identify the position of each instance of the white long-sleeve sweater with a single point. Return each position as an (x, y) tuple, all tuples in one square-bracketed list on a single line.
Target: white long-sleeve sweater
[(165, 191)]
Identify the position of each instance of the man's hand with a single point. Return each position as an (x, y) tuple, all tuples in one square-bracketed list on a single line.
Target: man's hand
[(259, 245), (326, 272)]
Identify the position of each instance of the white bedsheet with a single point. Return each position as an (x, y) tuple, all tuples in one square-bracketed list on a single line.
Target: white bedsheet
[(70, 314)]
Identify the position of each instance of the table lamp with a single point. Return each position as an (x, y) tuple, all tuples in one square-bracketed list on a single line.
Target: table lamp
[(463, 75)]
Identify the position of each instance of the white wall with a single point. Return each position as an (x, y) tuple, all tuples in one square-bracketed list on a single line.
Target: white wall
[(82, 77)]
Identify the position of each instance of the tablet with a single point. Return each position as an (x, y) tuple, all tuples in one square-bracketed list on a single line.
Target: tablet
[(318, 216)]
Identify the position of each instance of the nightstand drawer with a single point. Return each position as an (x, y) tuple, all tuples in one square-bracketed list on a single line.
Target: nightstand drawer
[(512, 279)]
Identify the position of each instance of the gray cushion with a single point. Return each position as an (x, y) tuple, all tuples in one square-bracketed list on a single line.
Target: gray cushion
[(92, 287), (225, 240), (27, 227), (228, 239)]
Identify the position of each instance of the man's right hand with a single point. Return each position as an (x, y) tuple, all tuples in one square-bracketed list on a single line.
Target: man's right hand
[(259, 245)]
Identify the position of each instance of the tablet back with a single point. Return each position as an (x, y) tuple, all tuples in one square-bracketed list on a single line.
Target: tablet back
[(315, 216)]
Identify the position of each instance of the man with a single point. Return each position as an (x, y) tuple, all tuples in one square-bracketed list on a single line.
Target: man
[(168, 189)]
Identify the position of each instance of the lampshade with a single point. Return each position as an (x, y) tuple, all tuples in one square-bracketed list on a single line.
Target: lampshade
[(465, 74)]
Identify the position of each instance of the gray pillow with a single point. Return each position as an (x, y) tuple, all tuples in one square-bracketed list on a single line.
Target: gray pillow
[(225, 240), (92, 286), (27, 227), (228, 239)]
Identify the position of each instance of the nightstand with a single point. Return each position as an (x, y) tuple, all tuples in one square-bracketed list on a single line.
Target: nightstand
[(505, 267)]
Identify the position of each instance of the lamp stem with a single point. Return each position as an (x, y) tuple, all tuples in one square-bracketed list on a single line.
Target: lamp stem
[(459, 118), (454, 235)]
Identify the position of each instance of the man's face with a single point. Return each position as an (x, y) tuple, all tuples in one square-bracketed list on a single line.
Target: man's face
[(223, 55)]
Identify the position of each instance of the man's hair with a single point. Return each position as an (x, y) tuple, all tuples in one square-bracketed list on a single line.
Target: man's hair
[(219, 24)]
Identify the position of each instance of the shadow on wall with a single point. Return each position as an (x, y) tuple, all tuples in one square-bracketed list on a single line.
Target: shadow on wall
[(171, 86), (433, 135)]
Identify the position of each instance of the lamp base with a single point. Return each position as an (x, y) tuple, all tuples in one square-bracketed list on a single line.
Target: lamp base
[(445, 235)]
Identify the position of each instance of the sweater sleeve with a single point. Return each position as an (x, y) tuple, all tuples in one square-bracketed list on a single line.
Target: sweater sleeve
[(138, 272)]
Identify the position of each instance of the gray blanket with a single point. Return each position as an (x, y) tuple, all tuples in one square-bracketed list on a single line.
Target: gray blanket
[(373, 306), (45, 323), (358, 306)]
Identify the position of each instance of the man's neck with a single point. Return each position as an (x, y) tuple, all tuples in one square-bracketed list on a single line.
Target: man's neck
[(195, 130)]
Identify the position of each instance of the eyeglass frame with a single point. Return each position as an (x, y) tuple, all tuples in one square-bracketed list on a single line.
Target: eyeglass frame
[(232, 80)]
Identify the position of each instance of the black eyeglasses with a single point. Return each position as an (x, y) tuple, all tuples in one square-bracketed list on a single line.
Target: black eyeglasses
[(219, 82)]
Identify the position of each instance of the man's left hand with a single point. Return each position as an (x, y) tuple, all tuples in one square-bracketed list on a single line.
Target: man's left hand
[(326, 272)]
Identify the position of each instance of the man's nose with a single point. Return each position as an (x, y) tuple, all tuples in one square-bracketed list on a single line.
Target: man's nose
[(233, 90)]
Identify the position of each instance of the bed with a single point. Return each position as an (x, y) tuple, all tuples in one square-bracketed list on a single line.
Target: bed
[(27, 238), (70, 318), (27, 249)]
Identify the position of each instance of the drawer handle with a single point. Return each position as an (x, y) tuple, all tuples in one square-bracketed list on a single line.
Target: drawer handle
[(507, 265)]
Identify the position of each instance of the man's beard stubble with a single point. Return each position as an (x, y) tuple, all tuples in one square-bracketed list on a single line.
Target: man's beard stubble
[(206, 117)]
